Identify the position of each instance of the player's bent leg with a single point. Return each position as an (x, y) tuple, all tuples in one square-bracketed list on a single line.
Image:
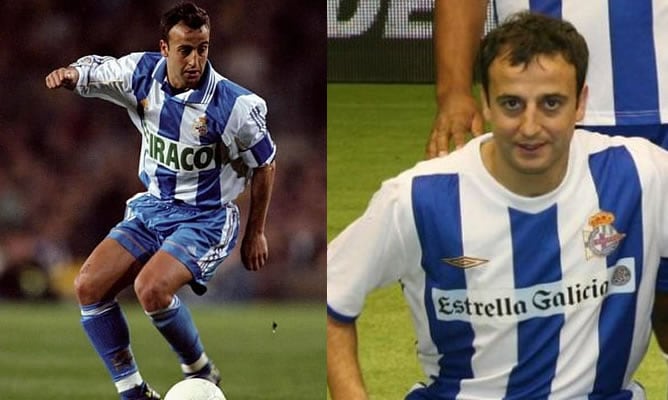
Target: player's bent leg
[(156, 286), (107, 270), (160, 278)]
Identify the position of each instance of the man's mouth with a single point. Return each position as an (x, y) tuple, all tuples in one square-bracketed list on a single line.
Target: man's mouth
[(530, 146)]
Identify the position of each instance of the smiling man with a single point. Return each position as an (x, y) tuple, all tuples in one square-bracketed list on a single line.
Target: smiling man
[(204, 138), (529, 258)]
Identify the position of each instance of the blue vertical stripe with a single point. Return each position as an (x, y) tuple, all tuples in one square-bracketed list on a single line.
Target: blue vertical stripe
[(222, 104), (170, 118), (437, 213), (166, 179), (208, 185), (551, 8), (212, 190), (618, 187), (218, 113), (142, 76), (142, 81), (634, 62), (662, 277), (536, 260)]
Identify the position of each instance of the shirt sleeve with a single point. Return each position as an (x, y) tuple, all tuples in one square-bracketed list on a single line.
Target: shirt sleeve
[(107, 78), (372, 252), (256, 146)]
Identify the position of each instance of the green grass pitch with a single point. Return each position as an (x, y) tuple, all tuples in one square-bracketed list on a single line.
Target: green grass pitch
[(374, 132), (44, 353)]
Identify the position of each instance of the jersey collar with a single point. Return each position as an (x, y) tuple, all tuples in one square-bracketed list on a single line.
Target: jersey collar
[(201, 95)]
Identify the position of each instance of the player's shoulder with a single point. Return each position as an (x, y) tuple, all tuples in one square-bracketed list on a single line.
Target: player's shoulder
[(229, 89), (144, 57), (639, 147), (234, 102), (462, 161), (465, 161), (649, 160), (594, 141)]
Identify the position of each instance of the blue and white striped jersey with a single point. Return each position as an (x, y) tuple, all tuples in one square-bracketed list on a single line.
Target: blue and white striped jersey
[(199, 146), (628, 76), (515, 297)]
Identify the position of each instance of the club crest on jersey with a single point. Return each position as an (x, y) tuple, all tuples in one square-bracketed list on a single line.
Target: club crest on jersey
[(600, 236), (464, 261), (200, 126)]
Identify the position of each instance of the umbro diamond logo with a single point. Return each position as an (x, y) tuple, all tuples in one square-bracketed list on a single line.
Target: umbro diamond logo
[(464, 261)]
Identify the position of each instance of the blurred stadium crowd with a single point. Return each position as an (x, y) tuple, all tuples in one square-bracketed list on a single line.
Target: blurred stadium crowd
[(67, 164)]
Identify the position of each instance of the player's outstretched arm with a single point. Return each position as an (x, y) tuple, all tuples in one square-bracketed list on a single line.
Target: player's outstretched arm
[(66, 77), (344, 376), (254, 248), (458, 27)]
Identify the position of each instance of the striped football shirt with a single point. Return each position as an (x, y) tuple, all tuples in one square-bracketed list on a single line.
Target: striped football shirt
[(628, 76), (198, 146), (515, 297)]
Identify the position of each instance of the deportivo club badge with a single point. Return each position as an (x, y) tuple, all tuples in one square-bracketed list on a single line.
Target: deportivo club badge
[(600, 237), (200, 125)]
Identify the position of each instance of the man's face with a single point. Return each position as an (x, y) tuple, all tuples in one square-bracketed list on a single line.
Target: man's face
[(187, 51), (533, 109)]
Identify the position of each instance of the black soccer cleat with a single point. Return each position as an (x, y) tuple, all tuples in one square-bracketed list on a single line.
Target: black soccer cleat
[(209, 372), (147, 393)]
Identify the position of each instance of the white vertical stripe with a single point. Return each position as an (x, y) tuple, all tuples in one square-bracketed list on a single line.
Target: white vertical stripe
[(427, 352), (660, 9), (152, 123), (188, 181), (653, 248), (601, 103), (478, 225), (574, 375), (506, 7)]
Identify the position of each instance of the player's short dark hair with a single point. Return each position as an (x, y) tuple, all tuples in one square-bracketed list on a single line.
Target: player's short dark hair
[(190, 14), (523, 36)]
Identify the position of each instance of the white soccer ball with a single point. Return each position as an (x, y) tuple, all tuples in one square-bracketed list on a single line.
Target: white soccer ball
[(194, 389)]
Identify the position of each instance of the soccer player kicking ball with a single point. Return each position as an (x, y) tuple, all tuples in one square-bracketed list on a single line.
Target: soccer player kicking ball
[(529, 258), (204, 137)]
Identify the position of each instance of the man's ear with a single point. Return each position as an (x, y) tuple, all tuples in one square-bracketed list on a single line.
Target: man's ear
[(486, 112), (582, 103), (164, 48)]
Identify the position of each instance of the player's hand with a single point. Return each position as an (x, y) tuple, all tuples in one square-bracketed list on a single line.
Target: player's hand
[(254, 251), (458, 116), (62, 77)]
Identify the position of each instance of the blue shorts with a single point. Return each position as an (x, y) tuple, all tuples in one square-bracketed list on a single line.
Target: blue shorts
[(200, 239)]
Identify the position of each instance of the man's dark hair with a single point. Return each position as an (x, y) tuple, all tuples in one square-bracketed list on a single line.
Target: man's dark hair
[(188, 13), (524, 36)]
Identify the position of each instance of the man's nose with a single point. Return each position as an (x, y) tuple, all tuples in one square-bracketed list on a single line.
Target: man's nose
[(193, 59), (530, 122)]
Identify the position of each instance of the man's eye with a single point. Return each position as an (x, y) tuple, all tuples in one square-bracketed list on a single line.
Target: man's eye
[(552, 104), (511, 104)]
